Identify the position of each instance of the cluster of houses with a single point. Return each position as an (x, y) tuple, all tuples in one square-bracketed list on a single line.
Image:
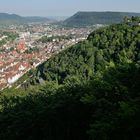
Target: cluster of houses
[(11, 71), (16, 63)]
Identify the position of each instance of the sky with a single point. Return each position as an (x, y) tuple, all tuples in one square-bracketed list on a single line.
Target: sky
[(65, 7)]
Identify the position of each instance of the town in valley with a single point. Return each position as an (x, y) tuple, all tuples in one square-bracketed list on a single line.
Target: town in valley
[(23, 47)]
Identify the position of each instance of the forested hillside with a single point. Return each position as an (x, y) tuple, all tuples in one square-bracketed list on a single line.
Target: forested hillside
[(106, 47), (89, 91), (91, 18)]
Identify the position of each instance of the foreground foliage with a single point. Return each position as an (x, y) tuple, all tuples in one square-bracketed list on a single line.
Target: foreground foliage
[(102, 109)]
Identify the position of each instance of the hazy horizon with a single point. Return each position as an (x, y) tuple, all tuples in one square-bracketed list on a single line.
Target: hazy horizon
[(66, 8), (65, 16)]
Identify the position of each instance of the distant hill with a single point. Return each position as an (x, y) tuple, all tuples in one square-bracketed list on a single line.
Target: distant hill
[(16, 19), (90, 18)]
